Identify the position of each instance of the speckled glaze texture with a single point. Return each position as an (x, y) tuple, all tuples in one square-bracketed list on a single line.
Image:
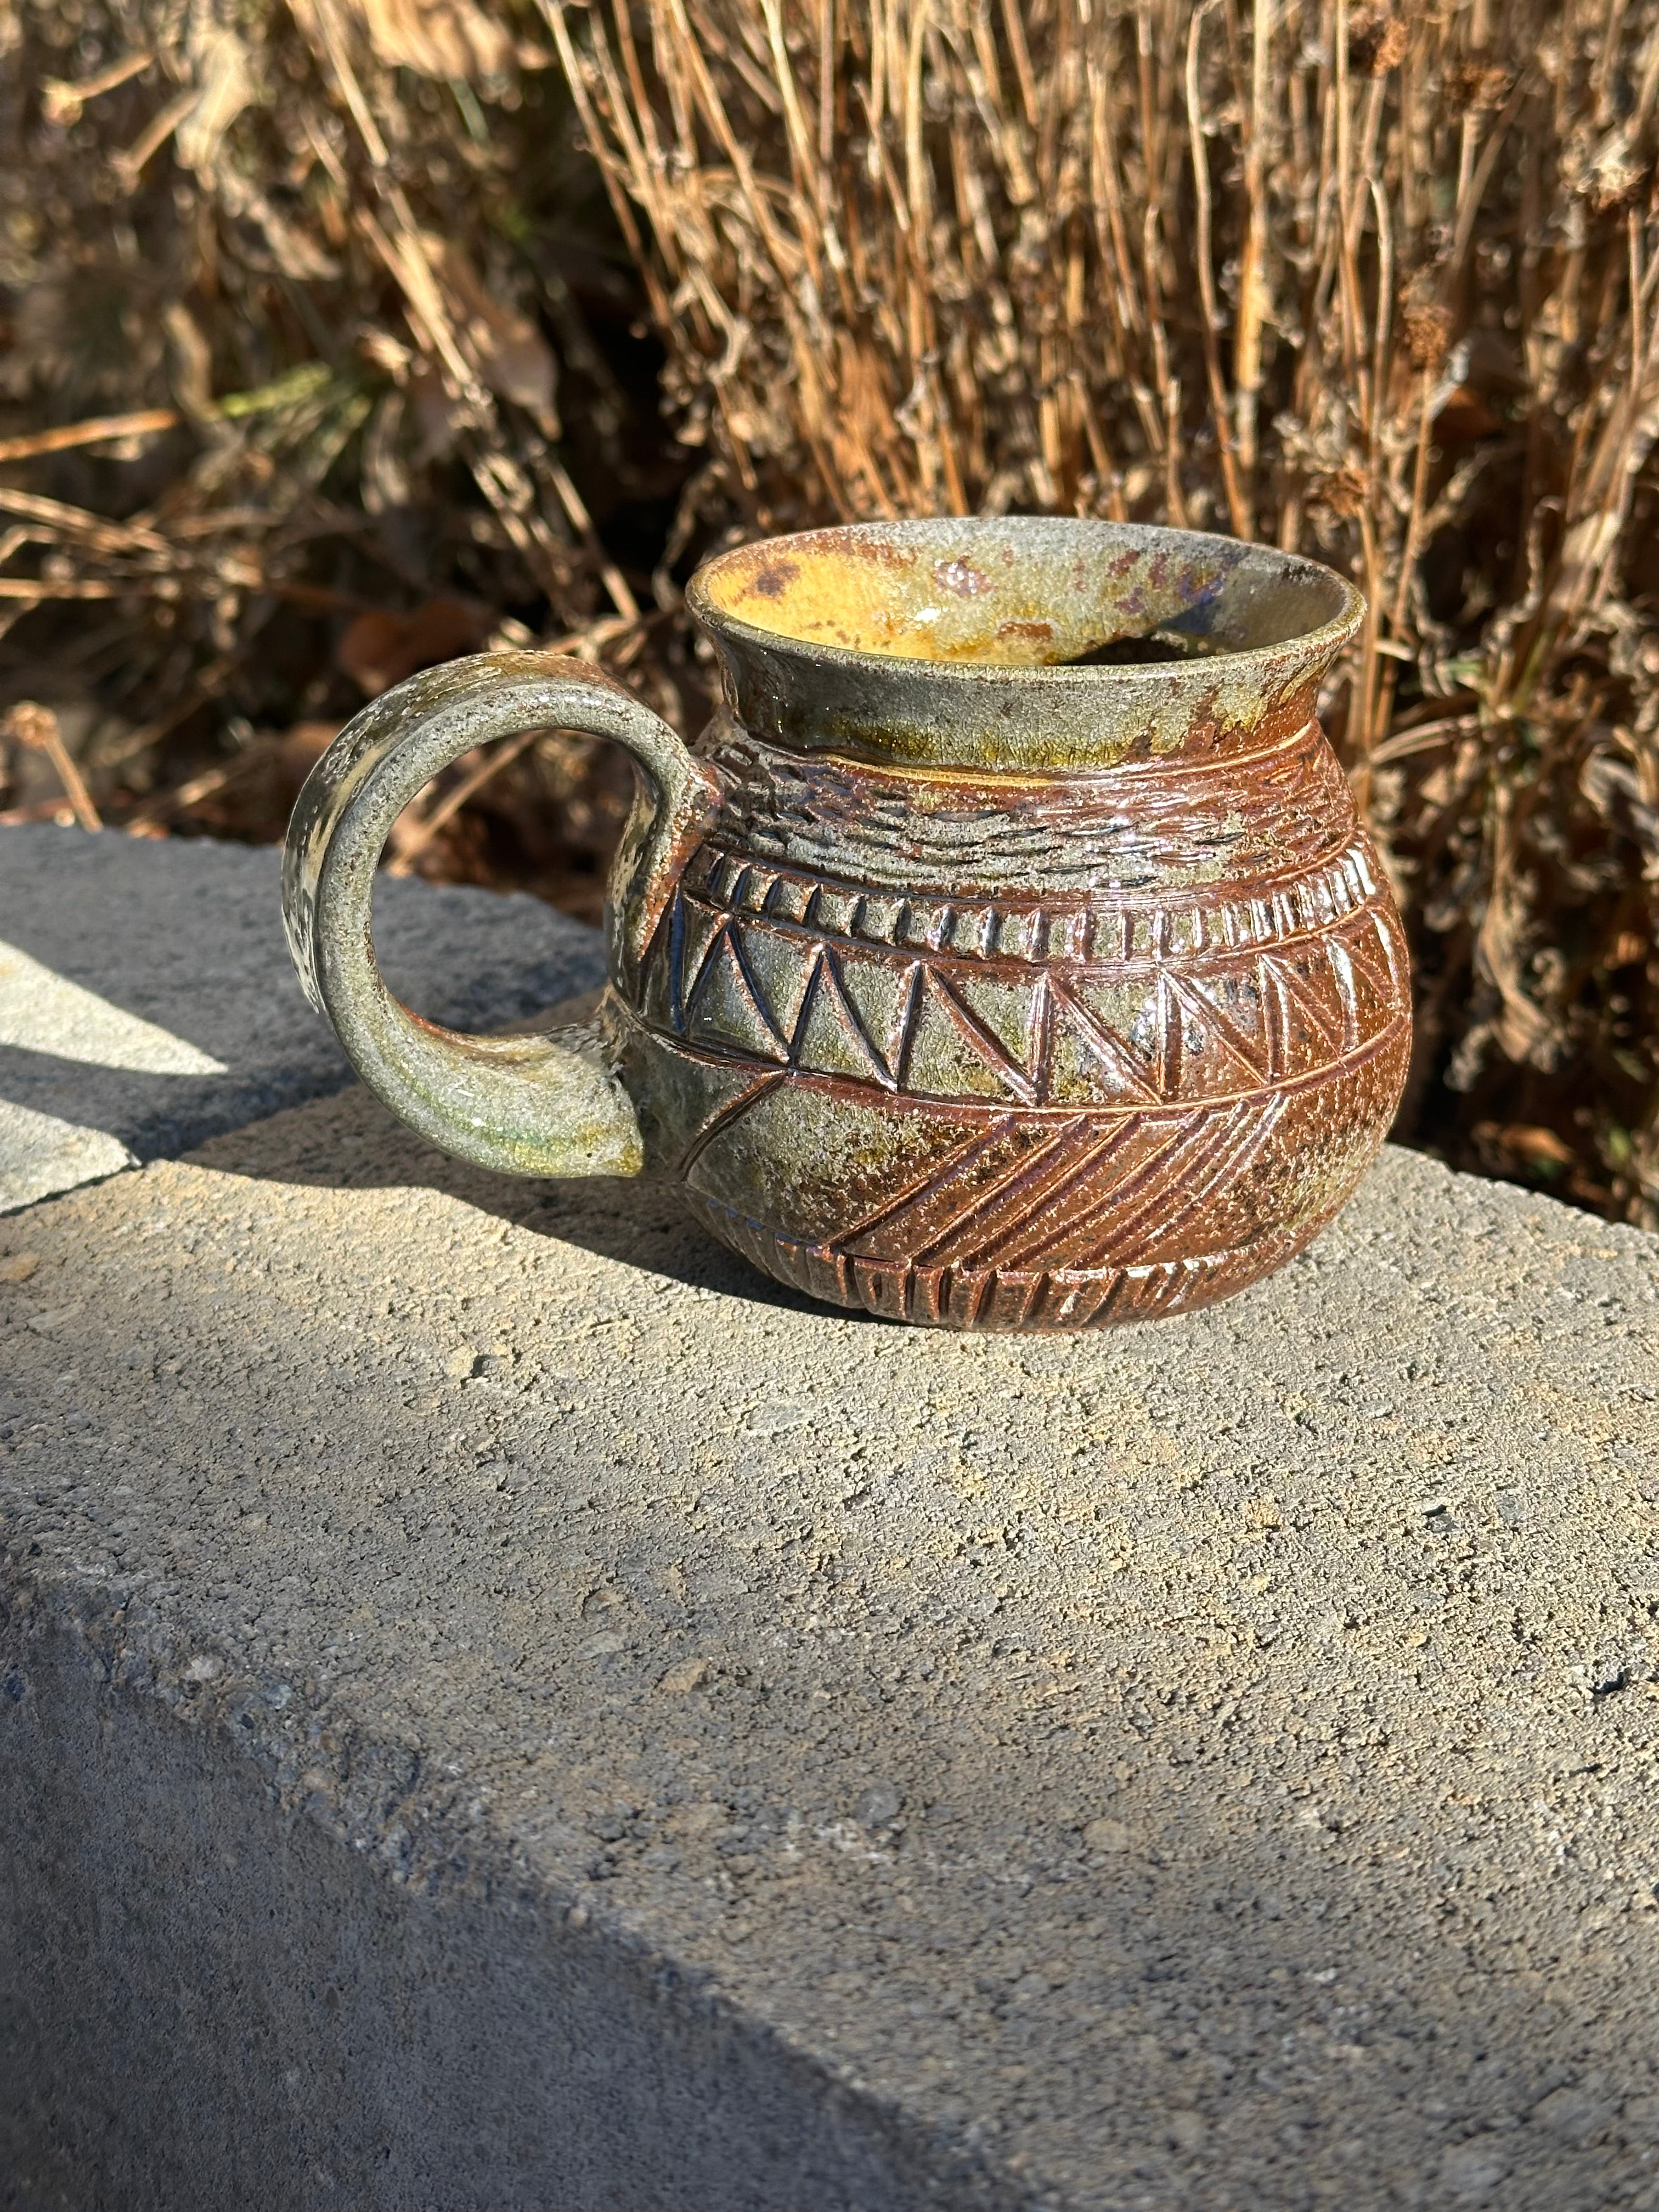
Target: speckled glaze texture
[(1027, 996), (985, 989)]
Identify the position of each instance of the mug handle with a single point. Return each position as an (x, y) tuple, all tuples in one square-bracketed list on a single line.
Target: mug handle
[(537, 1105)]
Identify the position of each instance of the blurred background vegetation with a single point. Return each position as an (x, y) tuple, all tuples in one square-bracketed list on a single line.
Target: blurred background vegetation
[(340, 336)]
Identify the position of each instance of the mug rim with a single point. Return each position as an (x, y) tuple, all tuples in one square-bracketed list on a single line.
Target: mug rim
[(1322, 642)]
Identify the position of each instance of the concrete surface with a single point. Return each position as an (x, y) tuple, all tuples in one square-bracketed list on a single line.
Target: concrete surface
[(502, 1709), (146, 999)]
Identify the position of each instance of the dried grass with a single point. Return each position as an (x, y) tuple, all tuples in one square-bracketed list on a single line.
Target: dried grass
[(286, 336), (1380, 286)]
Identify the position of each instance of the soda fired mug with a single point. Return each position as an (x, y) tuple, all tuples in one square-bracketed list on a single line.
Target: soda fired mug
[(954, 974)]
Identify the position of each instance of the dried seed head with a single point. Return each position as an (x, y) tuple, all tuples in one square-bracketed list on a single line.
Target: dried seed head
[(1426, 331), (1341, 491), (1610, 174), (1377, 40), (1476, 84), (33, 725)]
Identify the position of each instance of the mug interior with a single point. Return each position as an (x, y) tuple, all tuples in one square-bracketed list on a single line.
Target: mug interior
[(1021, 592)]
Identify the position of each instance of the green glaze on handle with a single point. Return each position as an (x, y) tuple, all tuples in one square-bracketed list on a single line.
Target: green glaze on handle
[(546, 1105)]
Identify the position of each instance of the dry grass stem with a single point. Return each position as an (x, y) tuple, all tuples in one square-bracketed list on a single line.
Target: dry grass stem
[(287, 345), (1379, 286), (318, 319)]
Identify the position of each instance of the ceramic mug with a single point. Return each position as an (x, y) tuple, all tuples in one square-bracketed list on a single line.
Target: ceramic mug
[(1005, 954)]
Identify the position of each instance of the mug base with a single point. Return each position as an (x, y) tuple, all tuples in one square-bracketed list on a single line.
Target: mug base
[(1041, 1301)]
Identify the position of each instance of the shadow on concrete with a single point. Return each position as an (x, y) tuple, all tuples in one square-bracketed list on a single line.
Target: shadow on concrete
[(352, 1142), (1124, 1956), (146, 990)]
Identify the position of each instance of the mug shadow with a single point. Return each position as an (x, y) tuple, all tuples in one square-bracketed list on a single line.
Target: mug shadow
[(350, 1141)]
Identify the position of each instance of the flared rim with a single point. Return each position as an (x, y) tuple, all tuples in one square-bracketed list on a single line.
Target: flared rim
[(1321, 641)]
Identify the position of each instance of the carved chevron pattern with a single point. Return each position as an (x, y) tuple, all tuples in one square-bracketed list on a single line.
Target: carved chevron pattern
[(1018, 1221), (1025, 1224), (931, 1026), (1121, 1188), (1039, 1298), (1282, 804)]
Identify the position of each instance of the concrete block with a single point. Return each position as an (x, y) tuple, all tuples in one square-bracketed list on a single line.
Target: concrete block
[(502, 1708), (147, 1000)]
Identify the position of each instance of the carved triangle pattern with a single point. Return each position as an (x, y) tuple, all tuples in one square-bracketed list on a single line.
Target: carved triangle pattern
[(1347, 994), (828, 1037), (779, 977), (1089, 1061), (697, 927), (725, 1008), (880, 993), (1010, 1011), (1375, 965), (1223, 1018), (1309, 1025), (1023, 1031), (948, 1052), (1313, 1016)]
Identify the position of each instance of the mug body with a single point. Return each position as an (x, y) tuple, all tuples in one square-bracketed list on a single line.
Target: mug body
[(1035, 971)]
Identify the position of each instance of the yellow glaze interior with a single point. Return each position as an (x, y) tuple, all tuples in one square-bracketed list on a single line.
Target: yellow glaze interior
[(1020, 593)]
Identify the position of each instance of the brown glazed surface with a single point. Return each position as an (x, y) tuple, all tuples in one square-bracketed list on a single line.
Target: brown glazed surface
[(1079, 1009)]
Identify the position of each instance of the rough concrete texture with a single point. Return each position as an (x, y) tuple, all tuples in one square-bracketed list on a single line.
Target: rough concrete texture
[(147, 998), (223, 2009), (1211, 1767)]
